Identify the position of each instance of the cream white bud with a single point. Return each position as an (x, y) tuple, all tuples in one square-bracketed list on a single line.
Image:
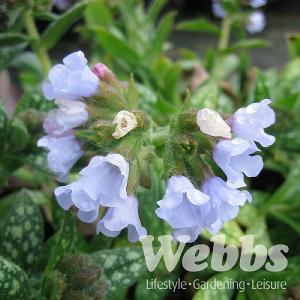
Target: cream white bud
[(211, 123), (126, 121)]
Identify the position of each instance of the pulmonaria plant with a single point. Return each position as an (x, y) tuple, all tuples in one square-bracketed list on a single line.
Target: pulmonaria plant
[(114, 138)]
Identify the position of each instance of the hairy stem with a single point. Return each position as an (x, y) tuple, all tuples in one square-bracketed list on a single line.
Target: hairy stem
[(160, 135)]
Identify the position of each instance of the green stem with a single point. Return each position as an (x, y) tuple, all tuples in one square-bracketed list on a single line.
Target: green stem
[(159, 137), (225, 34), (223, 44), (33, 33)]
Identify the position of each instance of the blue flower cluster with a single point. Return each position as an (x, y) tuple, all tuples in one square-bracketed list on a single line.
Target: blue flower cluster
[(100, 193), (189, 210), (102, 184)]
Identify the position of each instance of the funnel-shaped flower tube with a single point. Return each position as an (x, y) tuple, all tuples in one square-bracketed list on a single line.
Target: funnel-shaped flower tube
[(225, 201), (185, 208), (103, 182)]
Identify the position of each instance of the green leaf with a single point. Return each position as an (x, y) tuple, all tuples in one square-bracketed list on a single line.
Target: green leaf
[(246, 44), (18, 135), (168, 73), (97, 13), (294, 45), (115, 46), (10, 39), (207, 95), (155, 8), (3, 127), (289, 192), (64, 241), (232, 233), (30, 67), (122, 268), (199, 25), (14, 283), (265, 294), (231, 6), (132, 94), (38, 161), (241, 296), (289, 218), (45, 16), (262, 88), (259, 229), (7, 202), (23, 232), (8, 54), (287, 84), (61, 25), (34, 99), (290, 274), (147, 206), (163, 31)]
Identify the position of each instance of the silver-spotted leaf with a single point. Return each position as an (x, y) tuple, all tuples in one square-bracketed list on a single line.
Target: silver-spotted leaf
[(14, 283), (23, 232), (122, 268)]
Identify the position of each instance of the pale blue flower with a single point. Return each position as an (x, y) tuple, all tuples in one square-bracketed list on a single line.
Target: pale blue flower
[(123, 216), (103, 182), (257, 3), (218, 10), (185, 208), (234, 158), (249, 123), (71, 80), (64, 152), (69, 115), (256, 22), (225, 201)]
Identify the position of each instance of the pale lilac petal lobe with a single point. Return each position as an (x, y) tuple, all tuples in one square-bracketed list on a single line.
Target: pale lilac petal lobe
[(234, 158), (71, 80), (64, 152), (123, 216), (249, 123), (224, 200), (69, 115)]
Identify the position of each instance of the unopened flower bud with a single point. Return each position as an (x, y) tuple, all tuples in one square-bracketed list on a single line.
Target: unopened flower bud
[(103, 72), (126, 121), (211, 123)]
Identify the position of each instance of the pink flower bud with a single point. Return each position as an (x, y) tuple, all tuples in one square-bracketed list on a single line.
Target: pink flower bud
[(102, 72)]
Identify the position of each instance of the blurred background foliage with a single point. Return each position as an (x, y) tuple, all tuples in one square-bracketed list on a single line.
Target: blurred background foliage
[(178, 57)]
